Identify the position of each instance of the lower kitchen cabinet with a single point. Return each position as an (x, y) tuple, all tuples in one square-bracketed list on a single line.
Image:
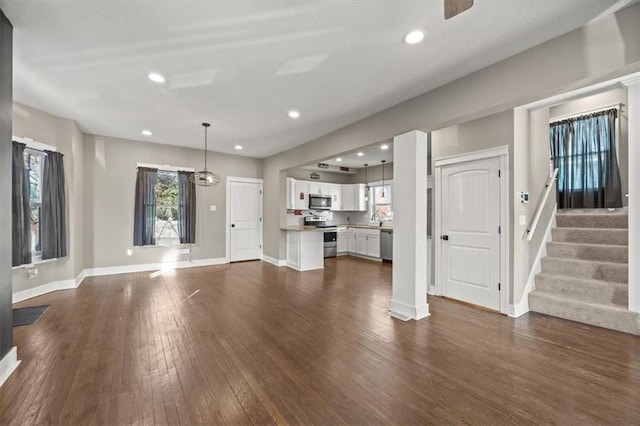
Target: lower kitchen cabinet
[(343, 241), (364, 242)]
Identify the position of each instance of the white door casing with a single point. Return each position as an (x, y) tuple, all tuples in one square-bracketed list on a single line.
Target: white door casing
[(244, 219), (472, 215)]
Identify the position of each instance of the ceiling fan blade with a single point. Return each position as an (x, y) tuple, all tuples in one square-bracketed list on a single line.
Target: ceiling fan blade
[(454, 7)]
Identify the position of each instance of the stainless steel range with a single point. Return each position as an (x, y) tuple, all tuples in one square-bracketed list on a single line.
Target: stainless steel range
[(330, 234)]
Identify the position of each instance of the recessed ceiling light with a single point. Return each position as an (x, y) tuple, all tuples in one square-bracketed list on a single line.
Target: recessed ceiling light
[(385, 146), (238, 147), (360, 154), (413, 37), (154, 76), (147, 132), (338, 159), (294, 114)]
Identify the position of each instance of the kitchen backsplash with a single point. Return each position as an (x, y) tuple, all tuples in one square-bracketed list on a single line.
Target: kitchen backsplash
[(333, 218)]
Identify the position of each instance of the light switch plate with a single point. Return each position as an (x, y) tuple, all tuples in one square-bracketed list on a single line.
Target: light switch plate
[(212, 208), (523, 219)]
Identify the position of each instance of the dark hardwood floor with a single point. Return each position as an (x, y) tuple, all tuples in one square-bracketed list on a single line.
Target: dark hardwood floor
[(253, 343)]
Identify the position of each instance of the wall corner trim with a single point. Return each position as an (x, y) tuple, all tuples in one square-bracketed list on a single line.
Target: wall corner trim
[(8, 364), (274, 261)]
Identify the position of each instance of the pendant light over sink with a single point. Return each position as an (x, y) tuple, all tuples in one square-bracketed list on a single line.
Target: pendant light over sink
[(383, 198), (205, 177), (366, 184)]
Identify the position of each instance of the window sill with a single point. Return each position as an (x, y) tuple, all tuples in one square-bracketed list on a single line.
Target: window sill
[(33, 264)]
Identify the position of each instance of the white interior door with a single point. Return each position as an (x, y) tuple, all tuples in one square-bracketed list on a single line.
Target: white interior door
[(470, 235), (245, 220)]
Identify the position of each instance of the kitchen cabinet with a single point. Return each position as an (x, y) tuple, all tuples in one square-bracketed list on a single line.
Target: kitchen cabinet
[(319, 188), (291, 183), (364, 242), (373, 246), (353, 197), (350, 197), (301, 195), (305, 250), (351, 241), (343, 240), (335, 190)]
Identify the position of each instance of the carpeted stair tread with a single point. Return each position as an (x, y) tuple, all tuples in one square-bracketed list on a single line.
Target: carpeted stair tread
[(609, 236), (590, 220), (588, 290), (611, 316), (606, 271), (603, 252)]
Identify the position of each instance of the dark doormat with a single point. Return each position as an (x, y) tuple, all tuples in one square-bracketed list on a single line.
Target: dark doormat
[(27, 316)]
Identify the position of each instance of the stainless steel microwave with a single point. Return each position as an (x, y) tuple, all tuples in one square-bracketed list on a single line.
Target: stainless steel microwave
[(319, 202)]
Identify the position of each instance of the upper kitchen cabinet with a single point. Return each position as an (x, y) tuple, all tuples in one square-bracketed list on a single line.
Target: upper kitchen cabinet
[(335, 190), (300, 195), (353, 197), (319, 188), (291, 188)]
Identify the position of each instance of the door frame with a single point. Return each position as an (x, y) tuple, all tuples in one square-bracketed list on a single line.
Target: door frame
[(227, 232), (501, 152)]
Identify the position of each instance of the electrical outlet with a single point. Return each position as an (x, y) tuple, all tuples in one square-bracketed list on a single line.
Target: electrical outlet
[(212, 208), (184, 251), (32, 273)]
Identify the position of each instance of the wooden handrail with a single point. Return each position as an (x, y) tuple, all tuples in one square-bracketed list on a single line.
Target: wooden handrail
[(536, 217)]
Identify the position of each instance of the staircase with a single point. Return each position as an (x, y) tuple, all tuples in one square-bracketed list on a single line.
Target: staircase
[(584, 275)]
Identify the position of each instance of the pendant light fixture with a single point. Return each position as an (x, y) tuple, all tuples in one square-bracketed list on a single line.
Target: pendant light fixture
[(382, 196), (366, 184), (205, 177)]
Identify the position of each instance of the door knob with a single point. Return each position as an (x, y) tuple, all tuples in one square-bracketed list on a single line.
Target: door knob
[(445, 237)]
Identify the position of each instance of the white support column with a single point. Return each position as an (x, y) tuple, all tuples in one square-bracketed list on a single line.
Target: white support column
[(409, 295), (633, 89)]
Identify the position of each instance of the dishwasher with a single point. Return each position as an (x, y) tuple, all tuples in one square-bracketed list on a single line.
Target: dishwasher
[(386, 244)]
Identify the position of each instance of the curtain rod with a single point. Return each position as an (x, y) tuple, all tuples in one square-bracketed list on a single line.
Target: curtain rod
[(584, 113), (166, 167), (30, 143)]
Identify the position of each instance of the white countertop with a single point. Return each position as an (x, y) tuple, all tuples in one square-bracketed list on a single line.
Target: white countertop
[(302, 228)]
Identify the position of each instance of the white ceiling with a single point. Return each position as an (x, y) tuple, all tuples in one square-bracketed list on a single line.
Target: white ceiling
[(242, 65), (372, 155)]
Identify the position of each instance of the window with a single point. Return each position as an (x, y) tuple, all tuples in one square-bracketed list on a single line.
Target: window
[(166, 221), (381, 210), (33, 165)]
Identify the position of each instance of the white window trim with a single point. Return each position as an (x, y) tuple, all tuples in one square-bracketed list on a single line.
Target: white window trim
[(35, 261)]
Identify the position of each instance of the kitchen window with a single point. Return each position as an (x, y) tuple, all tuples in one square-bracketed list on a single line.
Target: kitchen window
[(381, 203)]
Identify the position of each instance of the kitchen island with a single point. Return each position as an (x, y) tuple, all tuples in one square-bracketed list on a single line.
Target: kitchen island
[(305, 247)]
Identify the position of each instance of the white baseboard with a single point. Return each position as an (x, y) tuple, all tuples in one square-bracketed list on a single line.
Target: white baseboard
[(8, 364), (274, 261), (128, 269), (522, 307), (112, 270), (43, 289), (406, 312)]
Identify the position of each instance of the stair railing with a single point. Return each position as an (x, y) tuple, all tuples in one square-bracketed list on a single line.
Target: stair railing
[(543, 201)]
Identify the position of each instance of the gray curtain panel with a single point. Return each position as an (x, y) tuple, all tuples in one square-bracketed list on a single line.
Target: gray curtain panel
[(584, 151), (186, 207), (145, 207), (54, 202), (20, 215)]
